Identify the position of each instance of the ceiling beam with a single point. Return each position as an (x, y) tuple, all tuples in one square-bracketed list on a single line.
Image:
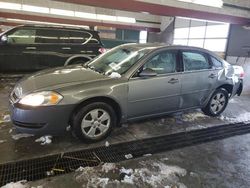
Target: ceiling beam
[(162, 10), (73, 22)]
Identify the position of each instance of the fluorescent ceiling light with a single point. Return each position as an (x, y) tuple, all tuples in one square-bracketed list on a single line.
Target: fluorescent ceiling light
[(106, 17), (62, 12), (125, 19), (31, 8), (211, 3), (85, 15), (46, 23), (10, 6)]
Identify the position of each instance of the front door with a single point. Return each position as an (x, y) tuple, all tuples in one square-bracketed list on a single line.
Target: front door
[(19, 53), (158, 94)]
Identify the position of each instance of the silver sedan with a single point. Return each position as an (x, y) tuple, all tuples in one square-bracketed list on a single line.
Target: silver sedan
[(127, 83)]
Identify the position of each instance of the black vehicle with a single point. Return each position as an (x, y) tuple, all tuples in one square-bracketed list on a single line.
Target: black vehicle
[(31, 47)]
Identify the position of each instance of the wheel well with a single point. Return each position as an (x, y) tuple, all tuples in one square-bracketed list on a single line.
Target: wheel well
[(85, 59), (107, 100), (227, 87)]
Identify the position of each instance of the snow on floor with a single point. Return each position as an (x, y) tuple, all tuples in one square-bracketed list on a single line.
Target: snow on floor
[(21, 135), (149, 173), (45, 140), (243, 117), (19, 184), (189, 117)]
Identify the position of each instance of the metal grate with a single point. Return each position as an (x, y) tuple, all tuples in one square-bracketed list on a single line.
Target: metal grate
[(39, 168)]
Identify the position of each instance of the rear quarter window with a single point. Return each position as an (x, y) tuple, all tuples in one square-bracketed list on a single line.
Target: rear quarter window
[(79, 37), (216, 63)]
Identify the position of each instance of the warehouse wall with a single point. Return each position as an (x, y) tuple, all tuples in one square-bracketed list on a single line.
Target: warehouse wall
[(238, 51)]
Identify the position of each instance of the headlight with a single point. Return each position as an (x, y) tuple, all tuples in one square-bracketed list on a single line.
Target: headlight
[(45, 98)]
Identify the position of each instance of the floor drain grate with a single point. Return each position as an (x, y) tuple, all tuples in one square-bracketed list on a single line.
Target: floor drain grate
[(39, 168)]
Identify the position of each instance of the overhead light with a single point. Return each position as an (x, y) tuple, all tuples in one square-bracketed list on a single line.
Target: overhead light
[(85, 15), (31, 8), (44, 23), (211, 3), (125, 19), (106, 17), (62, 12), (10, 6)]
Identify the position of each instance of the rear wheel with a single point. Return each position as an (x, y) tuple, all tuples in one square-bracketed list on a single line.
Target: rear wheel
[(78, 61), (94, 122), (217, 103)]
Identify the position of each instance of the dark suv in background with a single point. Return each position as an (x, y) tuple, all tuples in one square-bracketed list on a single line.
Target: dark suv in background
[(32, 47)]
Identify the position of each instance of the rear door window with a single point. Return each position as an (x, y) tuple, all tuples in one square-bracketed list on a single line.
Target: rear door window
[(22, 36), (52, 36), (79, 37), (193, 61)]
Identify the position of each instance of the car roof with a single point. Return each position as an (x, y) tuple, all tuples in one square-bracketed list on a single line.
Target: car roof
[(56, 27), (156, 46)]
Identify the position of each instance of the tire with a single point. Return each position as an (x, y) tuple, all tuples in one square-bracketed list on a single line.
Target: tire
[(217, 103), (94, 122), (78, 61)]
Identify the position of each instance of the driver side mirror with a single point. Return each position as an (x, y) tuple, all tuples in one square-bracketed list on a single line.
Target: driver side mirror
[(4, 39), (147, 73)]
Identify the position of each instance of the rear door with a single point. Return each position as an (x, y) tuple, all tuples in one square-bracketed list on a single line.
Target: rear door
[(198, 78), (159, 94), (53, 46)]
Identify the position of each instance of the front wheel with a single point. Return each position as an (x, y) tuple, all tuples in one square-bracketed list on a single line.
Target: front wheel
[(94, 122), (217, 103)]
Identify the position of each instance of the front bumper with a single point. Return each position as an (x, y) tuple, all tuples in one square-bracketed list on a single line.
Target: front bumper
[(51, 120)]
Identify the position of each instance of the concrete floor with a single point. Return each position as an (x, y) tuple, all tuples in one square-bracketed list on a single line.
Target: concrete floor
[(218, 164)]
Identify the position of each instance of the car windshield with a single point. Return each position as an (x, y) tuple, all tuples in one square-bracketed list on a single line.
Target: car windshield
[(117, 60)]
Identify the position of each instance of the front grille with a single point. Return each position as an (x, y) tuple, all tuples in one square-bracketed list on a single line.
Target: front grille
[(29, 125)]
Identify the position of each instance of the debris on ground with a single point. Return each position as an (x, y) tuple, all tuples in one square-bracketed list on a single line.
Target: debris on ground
[(68, 128), (21, 135), (2, 141), (45, 140), (107, 144), (147, 155), (10, 131), (6, 118), (129, 156), (106, 167)]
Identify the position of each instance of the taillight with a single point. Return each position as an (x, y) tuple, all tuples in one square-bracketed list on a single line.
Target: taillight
[(242, 74), (102, 50)]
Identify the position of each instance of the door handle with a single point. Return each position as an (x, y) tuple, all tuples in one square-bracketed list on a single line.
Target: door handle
[(173, 81), (66, 48), (212, 76), (30, 48)]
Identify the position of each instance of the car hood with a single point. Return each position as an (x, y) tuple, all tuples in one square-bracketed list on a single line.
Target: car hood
[(57, 78)]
